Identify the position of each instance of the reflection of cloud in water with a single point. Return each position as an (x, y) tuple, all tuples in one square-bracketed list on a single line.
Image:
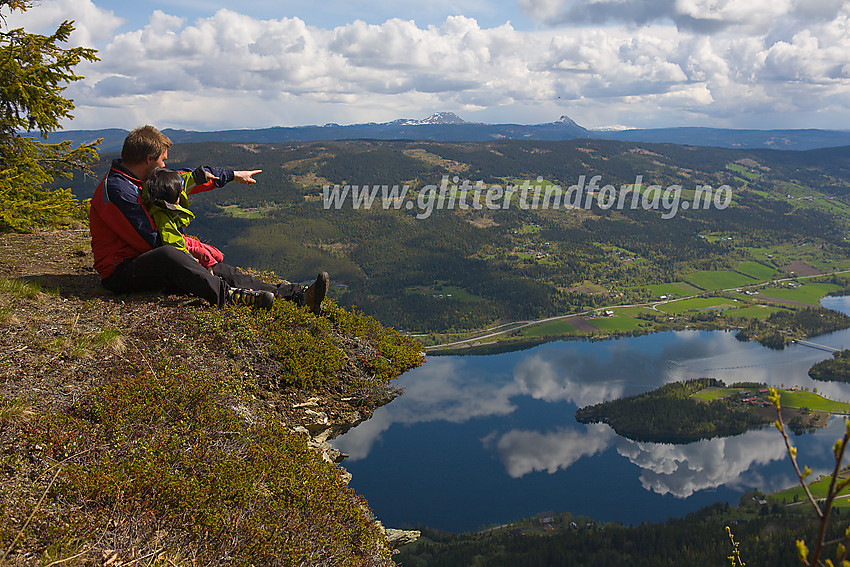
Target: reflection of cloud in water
[(448, 390), (523, 452), (732, 361), (445, 389), (457, 389), (587, 376), (357, 442), (551, 381), (681, 470)]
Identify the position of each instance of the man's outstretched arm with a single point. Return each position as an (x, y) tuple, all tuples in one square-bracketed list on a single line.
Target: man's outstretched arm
[(207, 178)]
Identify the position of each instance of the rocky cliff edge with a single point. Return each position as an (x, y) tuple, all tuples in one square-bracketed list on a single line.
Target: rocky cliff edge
[(153, 430)]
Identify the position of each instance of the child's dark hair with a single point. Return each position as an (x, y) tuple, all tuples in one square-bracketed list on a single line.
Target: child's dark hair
[(164, 185)]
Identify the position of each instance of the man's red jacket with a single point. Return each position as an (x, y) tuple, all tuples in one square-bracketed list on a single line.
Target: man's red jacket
[(120, 226)]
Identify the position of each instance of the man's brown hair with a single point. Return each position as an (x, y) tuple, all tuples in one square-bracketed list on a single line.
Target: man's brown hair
[(144, 142)]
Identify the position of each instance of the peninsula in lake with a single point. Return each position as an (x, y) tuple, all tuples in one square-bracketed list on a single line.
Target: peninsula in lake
[(683, 412)]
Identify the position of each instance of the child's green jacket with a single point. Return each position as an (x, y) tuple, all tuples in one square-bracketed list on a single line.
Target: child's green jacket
[(169, 218)]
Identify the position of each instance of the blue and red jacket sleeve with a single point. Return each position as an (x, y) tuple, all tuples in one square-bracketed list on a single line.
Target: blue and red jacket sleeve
[(202, 184), (133, 225), (120, 225)]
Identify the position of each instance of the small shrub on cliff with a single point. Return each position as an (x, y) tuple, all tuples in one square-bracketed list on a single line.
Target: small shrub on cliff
[(308, 347), (166, 461), (398, 352)]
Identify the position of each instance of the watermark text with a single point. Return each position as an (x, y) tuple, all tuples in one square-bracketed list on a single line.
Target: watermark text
[(584, 194)]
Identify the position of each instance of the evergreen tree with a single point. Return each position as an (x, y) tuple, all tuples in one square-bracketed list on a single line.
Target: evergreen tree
[(34, 72)]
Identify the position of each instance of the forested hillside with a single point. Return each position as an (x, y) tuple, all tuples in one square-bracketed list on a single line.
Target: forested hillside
[(469, 267), (766, 537)]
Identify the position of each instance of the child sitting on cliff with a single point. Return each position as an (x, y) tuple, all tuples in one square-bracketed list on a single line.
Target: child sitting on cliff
[(165, 196)]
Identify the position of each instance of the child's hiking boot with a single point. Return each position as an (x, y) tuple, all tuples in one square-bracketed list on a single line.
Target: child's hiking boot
[(315, 294), (259, 299)]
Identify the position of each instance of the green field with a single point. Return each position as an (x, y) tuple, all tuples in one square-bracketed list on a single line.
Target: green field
[(711, 237), (635, 311), (517, 182), (745, 171), (832, 205), (795, 190), (697, 304), (807, 293), (443, 292), (782, 254), (552, 328), (676, 289), (529, 228), (710, 395), (818, 489), (837, 265), (238, 212), (799, 198), (756, 270), (617, 322), (787, 398), (812, 401), (752, 311), (722, 279)]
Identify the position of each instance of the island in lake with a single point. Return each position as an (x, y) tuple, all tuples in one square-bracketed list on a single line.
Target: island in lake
[(702, 408), (835, 369)]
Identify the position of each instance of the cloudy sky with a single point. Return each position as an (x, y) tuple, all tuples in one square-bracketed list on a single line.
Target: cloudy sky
[(211, 64)]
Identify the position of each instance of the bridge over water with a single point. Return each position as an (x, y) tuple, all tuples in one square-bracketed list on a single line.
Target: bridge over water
[(816, 345)]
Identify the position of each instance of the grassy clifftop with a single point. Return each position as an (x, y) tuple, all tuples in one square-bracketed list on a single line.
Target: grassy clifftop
[(152, 430)]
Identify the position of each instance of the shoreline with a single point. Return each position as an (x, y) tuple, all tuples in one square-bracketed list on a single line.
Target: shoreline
[(484, 343)]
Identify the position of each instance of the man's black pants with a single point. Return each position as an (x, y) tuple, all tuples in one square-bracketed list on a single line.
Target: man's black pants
[(168, 269)]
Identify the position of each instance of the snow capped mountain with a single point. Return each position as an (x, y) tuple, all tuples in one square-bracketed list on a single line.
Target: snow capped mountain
[(443, 118), (436, 118), (440, 118), (566, 121)]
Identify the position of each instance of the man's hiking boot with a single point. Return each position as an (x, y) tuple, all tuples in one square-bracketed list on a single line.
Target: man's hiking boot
[(315, 294), (260, 299)]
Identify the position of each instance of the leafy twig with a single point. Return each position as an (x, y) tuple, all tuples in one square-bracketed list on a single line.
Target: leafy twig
[(735, 558), (835, 487), (792, 452)]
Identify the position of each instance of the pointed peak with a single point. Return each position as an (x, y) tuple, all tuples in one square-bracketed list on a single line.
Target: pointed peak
[(438, 118), (566, 120)]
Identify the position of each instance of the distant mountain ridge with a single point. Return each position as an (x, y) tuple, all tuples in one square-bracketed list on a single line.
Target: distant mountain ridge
[(436, 118), (449, 127)]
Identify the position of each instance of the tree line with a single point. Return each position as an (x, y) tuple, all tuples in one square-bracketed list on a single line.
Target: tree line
[(766, 536)]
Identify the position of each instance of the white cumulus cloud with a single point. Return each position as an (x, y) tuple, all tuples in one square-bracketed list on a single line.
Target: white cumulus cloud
[(639, 62), (92, 24)]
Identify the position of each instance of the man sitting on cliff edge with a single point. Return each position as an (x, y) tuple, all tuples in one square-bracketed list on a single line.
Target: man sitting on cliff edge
[(128, 252)]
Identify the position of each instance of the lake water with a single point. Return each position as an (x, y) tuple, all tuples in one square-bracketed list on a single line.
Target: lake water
[(483, 440)]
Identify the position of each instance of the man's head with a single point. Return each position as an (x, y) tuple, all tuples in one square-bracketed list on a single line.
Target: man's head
[(164, 185), (144, 150)]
